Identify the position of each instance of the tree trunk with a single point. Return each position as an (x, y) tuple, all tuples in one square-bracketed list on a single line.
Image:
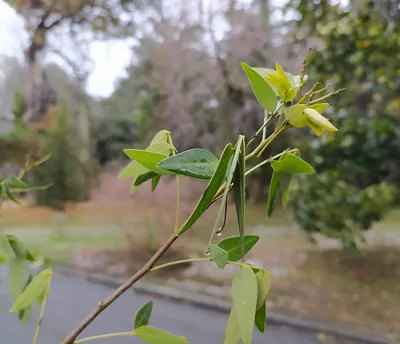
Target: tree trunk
[(42, 98)]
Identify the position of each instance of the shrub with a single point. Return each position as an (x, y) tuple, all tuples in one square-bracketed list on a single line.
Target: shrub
[(326, 205)]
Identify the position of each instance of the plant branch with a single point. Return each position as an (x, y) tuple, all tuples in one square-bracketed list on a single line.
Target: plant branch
[(182, 261), (189, 260), (39, 323), (267, 161), (178, 201), (327, 96), (105, 336), (102, 305)]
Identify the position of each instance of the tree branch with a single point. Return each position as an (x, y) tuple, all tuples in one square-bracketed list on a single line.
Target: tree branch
[(117, 293)]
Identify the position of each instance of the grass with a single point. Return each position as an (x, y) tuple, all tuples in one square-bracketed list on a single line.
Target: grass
[(355, 288)]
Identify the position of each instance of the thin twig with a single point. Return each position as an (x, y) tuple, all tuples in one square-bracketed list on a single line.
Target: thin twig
[(105, 336), (178, 201), (327, 96), (303, 72), (39, 323), (70, 338)]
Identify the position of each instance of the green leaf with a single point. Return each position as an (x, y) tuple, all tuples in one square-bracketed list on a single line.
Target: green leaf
[(295, 115), (162, 136), (162, 148), (244, 294), (293, 164), (273, 188), (294, 79), (5, 246), (16, 183), (219, 256), (9, 194), (260, 318), (212, 188), (3, 257), (262, 90), (233, 165), (33, 291), (143, 315), (144, 178), (197, 163), (147, 159), (154, 335), (263, 286), (24, 315), (17, 272), (232, 331), (40, 161), (17, 246), (284, 187), (154, 182), (133, 170), (233, 246), (320, 107), (239, 189)]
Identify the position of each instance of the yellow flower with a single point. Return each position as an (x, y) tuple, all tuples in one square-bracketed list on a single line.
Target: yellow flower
[(301, 115), (282, 83)]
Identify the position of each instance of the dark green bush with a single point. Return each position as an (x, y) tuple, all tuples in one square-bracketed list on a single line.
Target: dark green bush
[(326, 205)]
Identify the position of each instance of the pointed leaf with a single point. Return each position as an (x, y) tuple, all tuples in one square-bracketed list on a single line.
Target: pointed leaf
[(10, 194), (154, 335), (143, 315), (5, 246), (284, 187), (296, 116), (40, 161), (319, 107), (197, 163), (212, 188), (262, 90), (260, 319), (16, 183), (161, 147), (232, 331), (17, 246), (147, 159), (293, 164), (161, 136), (294, 79), (244, 294), (133, 170), (24, 315), (144, 178), (219, 256), (273, 188), (17, 272), (3, 257), (239, 189), (33, 291), (233, 165), (154, 182), (263, 286), (234, 248)]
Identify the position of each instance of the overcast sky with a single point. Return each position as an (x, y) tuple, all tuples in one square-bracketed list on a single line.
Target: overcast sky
[(109, 59)]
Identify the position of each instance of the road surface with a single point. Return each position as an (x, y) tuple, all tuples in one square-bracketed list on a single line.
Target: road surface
[(72, 298)]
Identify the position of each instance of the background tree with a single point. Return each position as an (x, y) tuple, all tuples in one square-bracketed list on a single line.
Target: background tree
[(356, 45)]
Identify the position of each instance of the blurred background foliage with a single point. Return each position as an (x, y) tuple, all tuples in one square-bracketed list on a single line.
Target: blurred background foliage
[(184, 77), (183, 74)]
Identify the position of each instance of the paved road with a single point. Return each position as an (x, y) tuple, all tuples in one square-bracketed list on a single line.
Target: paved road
[(73, 297)]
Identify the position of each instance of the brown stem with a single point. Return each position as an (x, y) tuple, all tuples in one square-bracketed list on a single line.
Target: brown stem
[(102, 305)]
